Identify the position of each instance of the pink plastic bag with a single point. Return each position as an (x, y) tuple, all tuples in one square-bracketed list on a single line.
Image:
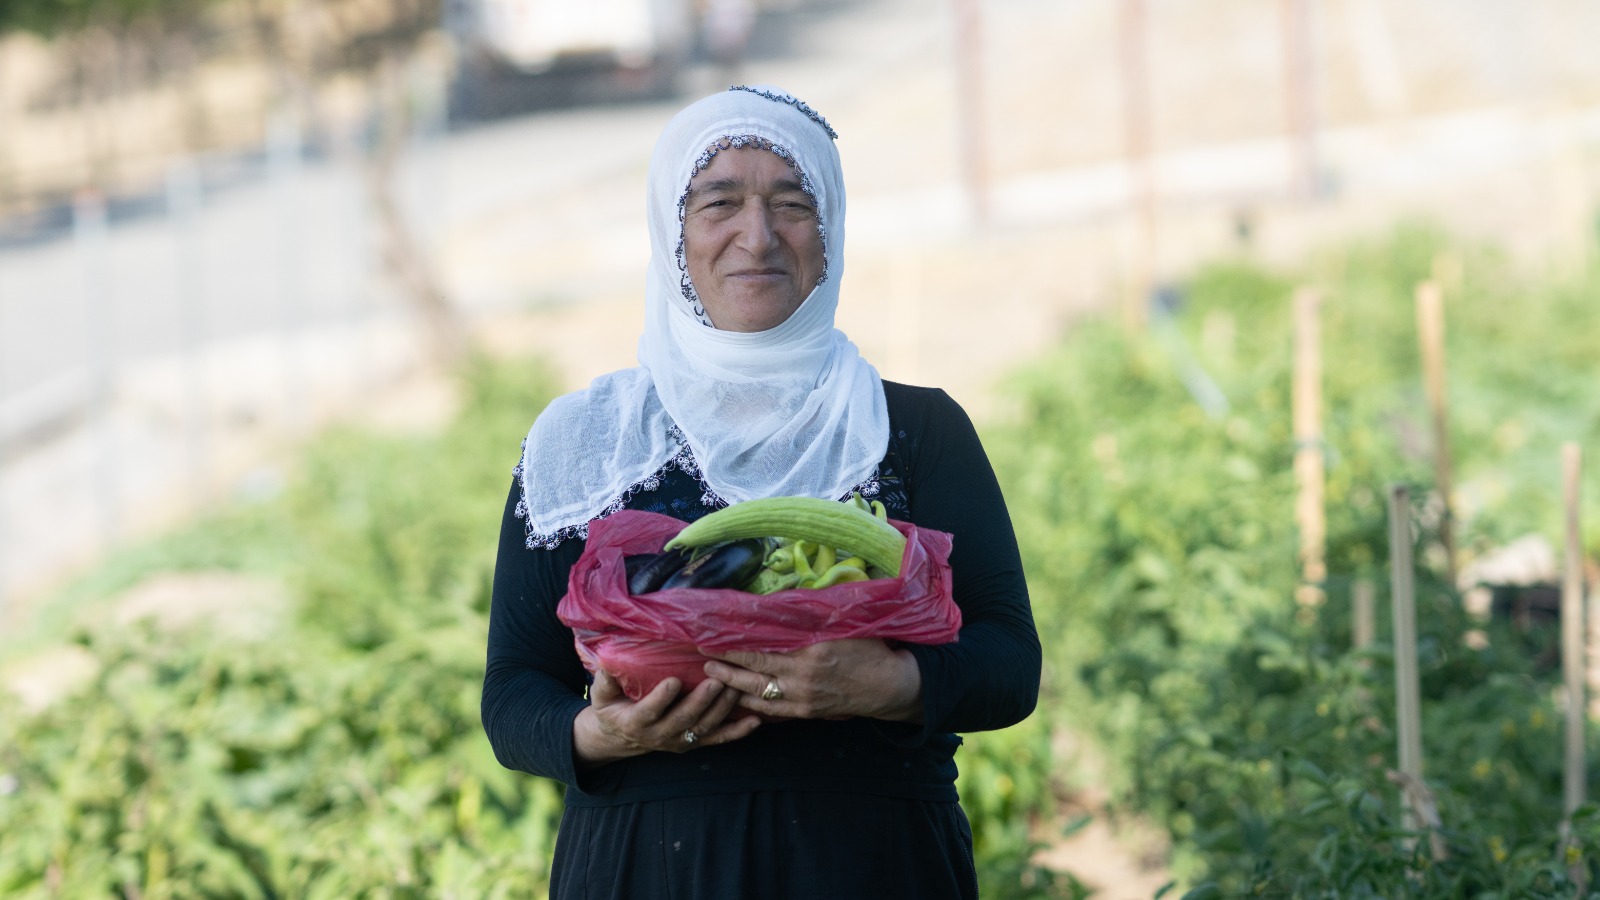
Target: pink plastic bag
[(640, 640)]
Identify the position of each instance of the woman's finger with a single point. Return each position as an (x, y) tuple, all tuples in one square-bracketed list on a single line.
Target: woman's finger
[(771, 663), (717, 713), (829, 679), (652, 706), (732, 730), (743, 679), (705, 729), (605, 690), (692, 711), (694, 714)]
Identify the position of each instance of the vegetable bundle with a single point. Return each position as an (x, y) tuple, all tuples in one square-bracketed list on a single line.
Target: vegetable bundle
[(642, 638), (769, 545)]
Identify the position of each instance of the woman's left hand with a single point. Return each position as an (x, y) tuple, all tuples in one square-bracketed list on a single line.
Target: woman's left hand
[(829, 680)]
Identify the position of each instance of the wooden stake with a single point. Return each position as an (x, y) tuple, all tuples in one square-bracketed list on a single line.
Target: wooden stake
[(1363, 599), (1308, 456), (969, 96), (1430, 335), (92, 237), (1136, 136), (1299, 96), (1408, 703), (184, 210), (1591, 615), (1574, 783), (1447, 272)]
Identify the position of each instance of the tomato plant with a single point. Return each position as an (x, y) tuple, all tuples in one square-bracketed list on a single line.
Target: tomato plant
[(1158, 535), (335, 754)]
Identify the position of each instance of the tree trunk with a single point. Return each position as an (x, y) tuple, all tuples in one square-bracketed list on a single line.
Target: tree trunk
[(403, 254)]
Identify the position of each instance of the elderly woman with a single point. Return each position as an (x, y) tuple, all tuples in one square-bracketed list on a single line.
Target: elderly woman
[(845, 785)]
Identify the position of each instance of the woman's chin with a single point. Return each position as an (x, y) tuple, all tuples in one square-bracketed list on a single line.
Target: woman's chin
[(760, 314)]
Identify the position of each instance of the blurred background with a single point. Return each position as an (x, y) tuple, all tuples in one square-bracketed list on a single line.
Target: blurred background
[(223, 223), (229, 226)]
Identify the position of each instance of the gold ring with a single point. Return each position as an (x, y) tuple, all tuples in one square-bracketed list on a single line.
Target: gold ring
[(690, 737), (772, 691)]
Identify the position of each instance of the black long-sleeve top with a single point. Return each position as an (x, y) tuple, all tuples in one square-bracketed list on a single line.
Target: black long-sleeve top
[(936, 475)]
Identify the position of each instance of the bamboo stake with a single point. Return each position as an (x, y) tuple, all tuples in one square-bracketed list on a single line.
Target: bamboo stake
[(1408, 703), (1574, 787), (1308, 462), (1430, 334)]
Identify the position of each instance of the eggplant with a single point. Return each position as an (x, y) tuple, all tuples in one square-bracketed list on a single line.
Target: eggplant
[(729, 565), (648, 571), (633, 562)]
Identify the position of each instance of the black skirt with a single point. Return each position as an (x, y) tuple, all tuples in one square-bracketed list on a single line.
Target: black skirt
[(766, 846)]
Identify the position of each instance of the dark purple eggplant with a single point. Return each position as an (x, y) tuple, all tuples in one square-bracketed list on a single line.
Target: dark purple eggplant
[(729, 565), (632, 563), (648, 571)]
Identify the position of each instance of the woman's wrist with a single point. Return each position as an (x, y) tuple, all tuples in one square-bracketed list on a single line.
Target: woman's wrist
[(591, 746), (906, 704), (585, 753)]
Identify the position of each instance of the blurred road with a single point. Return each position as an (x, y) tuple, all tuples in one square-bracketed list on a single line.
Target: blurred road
[(288, 248)]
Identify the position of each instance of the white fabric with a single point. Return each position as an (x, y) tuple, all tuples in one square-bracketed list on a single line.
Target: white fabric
[(791, 411)]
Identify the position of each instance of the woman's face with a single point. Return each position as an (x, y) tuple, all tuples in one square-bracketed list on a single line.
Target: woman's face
[(750, 239)]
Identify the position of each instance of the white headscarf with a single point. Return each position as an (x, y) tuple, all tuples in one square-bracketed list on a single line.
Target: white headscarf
[(790, 411)]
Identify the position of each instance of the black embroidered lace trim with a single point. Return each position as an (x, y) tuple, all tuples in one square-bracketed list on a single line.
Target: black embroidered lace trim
[(683, 461), (810, 113)]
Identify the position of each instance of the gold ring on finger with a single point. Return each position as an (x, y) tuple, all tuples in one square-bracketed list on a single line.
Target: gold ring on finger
[(772, 691)]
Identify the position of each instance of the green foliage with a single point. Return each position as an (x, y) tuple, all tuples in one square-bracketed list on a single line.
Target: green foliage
[(51, 18), (1007, 791), (1161, 550), (281, 770), (341, 757)]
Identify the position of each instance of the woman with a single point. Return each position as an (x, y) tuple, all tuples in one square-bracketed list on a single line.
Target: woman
[(745, 389)]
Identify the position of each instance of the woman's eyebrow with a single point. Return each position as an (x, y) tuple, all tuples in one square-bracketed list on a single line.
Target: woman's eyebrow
[(716, 186), (733, 185)]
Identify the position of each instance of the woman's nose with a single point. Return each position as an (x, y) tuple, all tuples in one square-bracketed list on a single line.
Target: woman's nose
[(756, 235)]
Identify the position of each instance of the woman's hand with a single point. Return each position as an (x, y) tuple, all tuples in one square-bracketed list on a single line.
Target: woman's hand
[(829, 680), (612, 727)]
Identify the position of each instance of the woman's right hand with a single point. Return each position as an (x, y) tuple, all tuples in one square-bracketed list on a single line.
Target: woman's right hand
[(612, 727)]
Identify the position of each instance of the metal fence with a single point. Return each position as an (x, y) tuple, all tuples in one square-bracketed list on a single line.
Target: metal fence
[(159, 347)]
